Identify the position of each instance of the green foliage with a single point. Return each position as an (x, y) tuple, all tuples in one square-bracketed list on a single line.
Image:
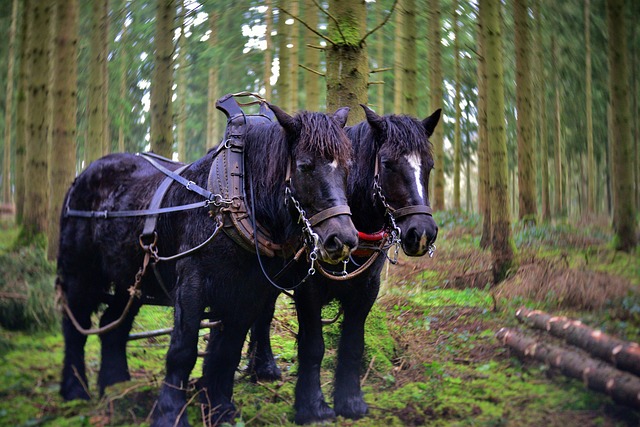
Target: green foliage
[(26, 281)]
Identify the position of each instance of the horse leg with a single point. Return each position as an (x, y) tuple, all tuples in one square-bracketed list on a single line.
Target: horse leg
[(113, 364), (181, 356), (74, 383), (223, 356), (347, 397), (262, 364), (310, 405)]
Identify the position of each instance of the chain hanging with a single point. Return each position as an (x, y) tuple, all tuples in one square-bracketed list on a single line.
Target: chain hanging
[(395, 231), (311, 238)]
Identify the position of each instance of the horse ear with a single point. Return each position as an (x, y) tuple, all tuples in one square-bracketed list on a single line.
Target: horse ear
[(287, 122), (341, 116), (375, 121), (431, 121)]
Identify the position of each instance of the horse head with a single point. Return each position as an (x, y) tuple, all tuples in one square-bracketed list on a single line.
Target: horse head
[(405, 161), (320, 155)]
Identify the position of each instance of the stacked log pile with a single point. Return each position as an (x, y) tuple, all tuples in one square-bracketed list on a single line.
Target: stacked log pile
[(604, 363)]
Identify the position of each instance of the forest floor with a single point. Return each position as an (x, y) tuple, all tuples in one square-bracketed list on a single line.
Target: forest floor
[(431, 355)]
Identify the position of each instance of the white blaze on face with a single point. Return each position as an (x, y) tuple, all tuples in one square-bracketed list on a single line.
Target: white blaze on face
[(334, 164), (416, 164)]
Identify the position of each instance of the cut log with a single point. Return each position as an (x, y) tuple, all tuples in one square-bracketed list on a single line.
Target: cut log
[(623, 355), (167, 331), (622, 387)]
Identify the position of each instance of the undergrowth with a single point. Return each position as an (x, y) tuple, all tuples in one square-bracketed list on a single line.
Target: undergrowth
[(431, 353)]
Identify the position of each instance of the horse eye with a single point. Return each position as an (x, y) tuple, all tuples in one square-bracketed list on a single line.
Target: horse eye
[(305, 166)]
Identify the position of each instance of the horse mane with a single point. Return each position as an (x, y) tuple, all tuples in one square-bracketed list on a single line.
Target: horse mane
[(267, 156), (399, 135)]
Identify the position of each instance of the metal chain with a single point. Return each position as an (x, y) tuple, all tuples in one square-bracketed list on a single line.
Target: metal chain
[(311, 238), (395, 232)]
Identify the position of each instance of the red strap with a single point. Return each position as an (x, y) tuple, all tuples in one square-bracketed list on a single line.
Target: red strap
[(374, 237)]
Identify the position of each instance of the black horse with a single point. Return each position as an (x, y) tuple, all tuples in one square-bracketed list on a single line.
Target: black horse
[(387, 186), (99, 257)]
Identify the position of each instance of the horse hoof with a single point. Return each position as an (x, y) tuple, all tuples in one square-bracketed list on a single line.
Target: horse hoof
[(354, 408), (322, 413), (267, 373), (170, 421), (74, 393)]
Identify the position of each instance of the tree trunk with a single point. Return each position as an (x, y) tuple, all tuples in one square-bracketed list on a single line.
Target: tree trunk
[(347, 59), (591, 163), (162, 81), (295, 54), (398, 58), (502, 247), (527, 209), (622, 387), (436, 100), (624, 212), (213, 116), (410, 61), (457, 137), (623, 355), (22, 108), (8, 109), (96, 114), (283, 85), (181, 88), (62, 154), (543, 148), (484, 197), (123, 86), (268, 51), (36, 197), (312, 58), (557, 145), (380, 60)]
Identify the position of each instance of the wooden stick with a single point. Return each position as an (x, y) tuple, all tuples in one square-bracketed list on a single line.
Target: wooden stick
[(622, 387), (167, 331), (623, 355)]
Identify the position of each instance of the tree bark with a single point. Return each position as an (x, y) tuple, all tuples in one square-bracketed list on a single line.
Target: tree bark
[(8, 108), (622, 387), (162, 81), (543, 149), (410, 62), (591, 163), (181, 88), (39, 121), (398, 57), (294, 57), (96, 114), (436, 99), (484, 196), (457, 136), (62, 153), (557, 146), (502, 247), (624, 212), (268, 52), (527, 209), (213, 116), (347, 59), (22, 107), (283, 85), (380, 60), (312, 58), (623, 355)]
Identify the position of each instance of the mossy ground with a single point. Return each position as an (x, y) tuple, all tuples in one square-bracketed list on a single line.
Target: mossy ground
[(432, 357)]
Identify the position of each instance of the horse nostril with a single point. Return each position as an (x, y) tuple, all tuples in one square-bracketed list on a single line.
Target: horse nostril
[(333, 243)]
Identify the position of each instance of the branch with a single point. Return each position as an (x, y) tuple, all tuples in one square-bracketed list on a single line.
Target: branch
[(312, 46), (384, 21), (344, 39), (308, 27), (377, 82), (312, 70), (380, 70)]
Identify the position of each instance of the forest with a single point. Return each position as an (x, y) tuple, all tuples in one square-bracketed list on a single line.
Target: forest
[(535, 190)]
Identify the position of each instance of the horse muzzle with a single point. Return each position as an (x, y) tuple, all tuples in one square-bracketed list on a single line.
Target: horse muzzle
[(419, 236), (339, 241)]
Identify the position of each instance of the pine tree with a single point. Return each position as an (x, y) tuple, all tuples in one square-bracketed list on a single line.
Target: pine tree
[(62, 153), (162, 81), (8, 109)]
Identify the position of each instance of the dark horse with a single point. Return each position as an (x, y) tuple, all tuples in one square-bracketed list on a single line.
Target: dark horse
[(389, 179), (99, 257)]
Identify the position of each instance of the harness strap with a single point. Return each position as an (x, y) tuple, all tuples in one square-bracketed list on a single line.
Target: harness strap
[(132, 213), (189, 185), (410, 210), (329, 213)]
